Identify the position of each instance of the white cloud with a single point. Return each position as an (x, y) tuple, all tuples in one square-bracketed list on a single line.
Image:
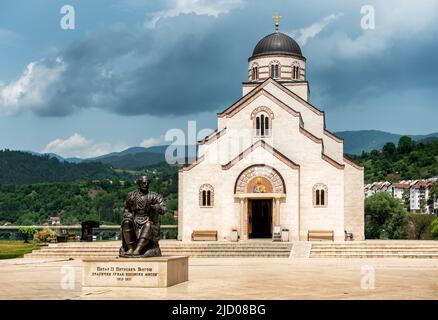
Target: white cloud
[(79, 146), (149, 142), (304, 34), (199, 7), (32, 89), (395, 21)]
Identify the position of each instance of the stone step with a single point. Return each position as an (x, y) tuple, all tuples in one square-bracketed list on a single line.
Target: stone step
[(376, 250), (169, 249), (374, 246), (179, 246), (206, 254), (205, 249), (176, 248), (427, 250), (370, 256)]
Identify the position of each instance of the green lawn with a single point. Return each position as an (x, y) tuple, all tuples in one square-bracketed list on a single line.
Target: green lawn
[(15, 249)]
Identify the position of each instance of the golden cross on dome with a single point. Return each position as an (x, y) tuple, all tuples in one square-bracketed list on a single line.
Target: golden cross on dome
[(276, 17)]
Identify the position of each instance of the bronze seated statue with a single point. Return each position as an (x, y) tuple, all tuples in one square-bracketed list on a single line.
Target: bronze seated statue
[(140, 225)]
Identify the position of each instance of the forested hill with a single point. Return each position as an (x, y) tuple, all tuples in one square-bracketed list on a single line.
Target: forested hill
[(18, 167), (405, 160)]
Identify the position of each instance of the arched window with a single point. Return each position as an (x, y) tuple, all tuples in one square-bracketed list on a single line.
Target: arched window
[(295, 72), (320, 195), (275, 69), (262, 125), (206, 196), (255, 73), (262, 117)]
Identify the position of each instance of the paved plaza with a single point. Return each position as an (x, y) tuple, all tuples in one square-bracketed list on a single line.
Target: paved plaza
[(237, 278)]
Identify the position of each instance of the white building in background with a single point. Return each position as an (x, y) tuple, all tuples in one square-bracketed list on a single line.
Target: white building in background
[(376, 187), (272, 164), (398, 189), (416, 191), (419, 194)]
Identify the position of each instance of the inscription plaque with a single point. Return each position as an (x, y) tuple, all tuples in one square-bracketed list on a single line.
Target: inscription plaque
[(159, 272)]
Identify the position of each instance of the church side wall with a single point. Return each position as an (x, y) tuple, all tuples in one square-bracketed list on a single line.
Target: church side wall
[(195, 217), (330, 217), (354, 202)]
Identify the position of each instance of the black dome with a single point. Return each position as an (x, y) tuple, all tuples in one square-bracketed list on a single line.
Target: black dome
[(277, 42)]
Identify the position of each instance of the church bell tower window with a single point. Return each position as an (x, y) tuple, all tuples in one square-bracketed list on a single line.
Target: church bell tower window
[(274, 71), (255, 73), (295, 72)]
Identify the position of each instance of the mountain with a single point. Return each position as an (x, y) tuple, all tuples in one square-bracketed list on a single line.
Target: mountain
[(17, 167), (366, 140), (129, 160), (131, 151)]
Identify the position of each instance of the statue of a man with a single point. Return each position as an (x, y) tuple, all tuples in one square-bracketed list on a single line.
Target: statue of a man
[(140, 225)]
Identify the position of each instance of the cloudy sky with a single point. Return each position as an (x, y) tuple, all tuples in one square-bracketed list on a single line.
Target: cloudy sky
[(132, 69)]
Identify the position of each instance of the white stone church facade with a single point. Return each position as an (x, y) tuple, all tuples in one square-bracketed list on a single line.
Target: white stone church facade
[(271, 164)]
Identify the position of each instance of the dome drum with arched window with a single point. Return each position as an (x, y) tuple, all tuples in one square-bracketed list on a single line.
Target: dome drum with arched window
[(277, 56)]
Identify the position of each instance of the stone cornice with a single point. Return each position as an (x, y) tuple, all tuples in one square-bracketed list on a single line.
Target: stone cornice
[(310, 136), (213, 136), (353, 164), (332, 162), (193, 164), (333, 136)]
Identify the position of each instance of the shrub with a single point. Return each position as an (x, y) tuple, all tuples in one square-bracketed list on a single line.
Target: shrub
[(46, 235)]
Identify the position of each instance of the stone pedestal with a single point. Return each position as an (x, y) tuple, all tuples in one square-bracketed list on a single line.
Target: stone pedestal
[(158, 272)]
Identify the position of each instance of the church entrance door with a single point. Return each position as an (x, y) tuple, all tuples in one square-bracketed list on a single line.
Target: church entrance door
[(259, 218)]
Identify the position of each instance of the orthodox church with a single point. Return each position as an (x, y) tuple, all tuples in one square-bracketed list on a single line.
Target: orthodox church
[(272, 166)]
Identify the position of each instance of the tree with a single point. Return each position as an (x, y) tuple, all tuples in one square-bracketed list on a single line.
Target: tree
[(386, 217), (405, 145), (26, 232), (389, 148), (420, 225), (434, 228)]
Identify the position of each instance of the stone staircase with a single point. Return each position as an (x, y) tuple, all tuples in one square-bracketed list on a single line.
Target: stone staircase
[(376, 249), (170, 247)]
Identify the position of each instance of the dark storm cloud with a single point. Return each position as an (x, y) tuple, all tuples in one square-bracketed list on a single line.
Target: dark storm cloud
[(193, 63), (171, 70)]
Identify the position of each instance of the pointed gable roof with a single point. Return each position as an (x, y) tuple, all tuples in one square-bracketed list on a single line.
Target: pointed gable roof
[(251, 96), (266, 146)]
